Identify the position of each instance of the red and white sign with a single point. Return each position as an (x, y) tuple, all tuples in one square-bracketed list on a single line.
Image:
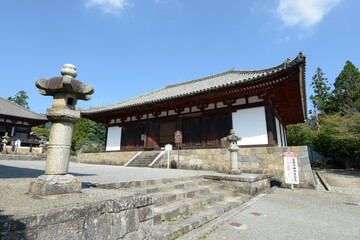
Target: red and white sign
[(178, 137), (291, 168)]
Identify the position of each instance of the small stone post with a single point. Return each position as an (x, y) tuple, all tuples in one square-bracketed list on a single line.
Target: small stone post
[(41, 145), (233, 148), (4, 142), (66, 91)]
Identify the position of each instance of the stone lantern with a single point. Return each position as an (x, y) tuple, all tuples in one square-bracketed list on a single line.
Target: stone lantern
[(66, 91), (4, 142), (233, 148), (41, 145)]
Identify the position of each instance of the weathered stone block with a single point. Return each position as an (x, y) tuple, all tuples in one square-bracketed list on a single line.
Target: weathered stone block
[(132, 220), (55, 184), (243, 158), (118, 225), (97, 227), (145, 213), (254, 165), (145, 230), (270, 150), (130, 202)]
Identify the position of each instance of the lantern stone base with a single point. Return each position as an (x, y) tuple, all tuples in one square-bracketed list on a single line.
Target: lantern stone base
[(251, 184), (234, 171), (55, 184)]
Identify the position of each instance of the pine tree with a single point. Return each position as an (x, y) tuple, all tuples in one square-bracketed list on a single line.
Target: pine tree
[(321, 89), (346, 94), (21, 99)]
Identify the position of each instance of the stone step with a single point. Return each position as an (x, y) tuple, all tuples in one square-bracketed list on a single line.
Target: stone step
[(179, 194), (164, 212), (147, 183), (170, 186), (143, 160), (175, 227)]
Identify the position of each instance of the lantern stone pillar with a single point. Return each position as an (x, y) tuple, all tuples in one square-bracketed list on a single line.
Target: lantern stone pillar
[(66, 90), (4, 142), (233, 148)]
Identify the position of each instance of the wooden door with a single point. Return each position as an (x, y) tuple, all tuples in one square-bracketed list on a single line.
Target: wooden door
[(152, 135), (131, 138), (191, 131)]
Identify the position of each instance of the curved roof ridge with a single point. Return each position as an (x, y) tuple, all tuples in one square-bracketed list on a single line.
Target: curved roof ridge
[(127, 100), (277, 67), (196, 86), (13, 109)]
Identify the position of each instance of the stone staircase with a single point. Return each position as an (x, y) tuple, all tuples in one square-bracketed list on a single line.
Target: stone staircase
[(183, 204), (143, 160)]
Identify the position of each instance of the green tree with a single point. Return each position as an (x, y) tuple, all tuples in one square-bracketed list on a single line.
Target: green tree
[(340, 134), (88, 136), (42, 131), (80, 131), (21, 99), (321, 96), (347, 89), (96, 131), (301, 133)]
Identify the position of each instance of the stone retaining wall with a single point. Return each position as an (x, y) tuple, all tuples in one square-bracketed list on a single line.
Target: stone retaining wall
[(34, 150), (252, 160), (125, 218), (22, 156), (110, 158), (266, 160)]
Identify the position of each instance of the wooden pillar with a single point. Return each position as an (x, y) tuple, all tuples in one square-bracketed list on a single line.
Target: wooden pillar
[(270, 126), (203, 131)]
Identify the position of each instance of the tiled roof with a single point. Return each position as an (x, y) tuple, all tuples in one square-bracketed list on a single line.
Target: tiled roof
[(221, 80), (9, 108)]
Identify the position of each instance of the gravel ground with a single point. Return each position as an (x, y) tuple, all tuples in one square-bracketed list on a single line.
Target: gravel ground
[(91, 172), (15, 177)]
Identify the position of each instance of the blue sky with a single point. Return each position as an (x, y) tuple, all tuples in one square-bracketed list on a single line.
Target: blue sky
[(125, 48)]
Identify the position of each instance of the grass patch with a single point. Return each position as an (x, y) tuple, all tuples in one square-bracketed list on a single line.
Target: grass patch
[(208, 233)]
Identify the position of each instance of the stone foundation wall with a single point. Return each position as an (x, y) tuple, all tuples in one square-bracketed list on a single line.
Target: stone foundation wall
[(125, 218), (34, 150), (267, 160), (110, 158), (23, 156)]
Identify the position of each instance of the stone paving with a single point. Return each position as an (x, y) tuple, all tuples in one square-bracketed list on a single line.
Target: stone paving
[(15, 177), (299, 213), (281, 214)]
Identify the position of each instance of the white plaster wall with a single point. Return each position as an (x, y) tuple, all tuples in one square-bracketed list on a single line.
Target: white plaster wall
[(220, 105), (171, 113), (113, 142), (250, 125), (195, 109), (278, 131), (211, 106), (186, 110), (254, 99), (240, 101)]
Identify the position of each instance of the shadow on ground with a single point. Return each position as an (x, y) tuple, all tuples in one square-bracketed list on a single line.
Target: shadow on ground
[(18, 172)]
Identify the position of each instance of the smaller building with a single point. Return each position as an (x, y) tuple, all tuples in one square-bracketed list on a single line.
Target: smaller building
[(17, 122)]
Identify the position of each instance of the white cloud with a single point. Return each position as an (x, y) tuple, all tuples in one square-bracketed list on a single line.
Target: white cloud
[(305, 13), (109, 6)]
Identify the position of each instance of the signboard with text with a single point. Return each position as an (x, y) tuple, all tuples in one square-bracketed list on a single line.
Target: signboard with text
[(291, 168), (178, 137)]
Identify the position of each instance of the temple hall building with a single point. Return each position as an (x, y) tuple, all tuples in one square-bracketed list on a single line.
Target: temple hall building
[(17, 121), (257, 104)]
